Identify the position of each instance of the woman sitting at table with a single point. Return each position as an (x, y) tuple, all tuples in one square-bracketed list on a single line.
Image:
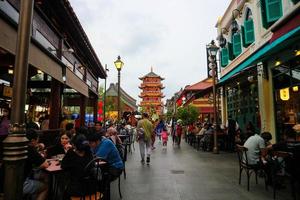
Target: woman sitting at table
[(61, 147), (75, 162)]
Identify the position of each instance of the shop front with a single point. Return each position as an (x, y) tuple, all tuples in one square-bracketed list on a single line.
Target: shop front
[(286, 82)]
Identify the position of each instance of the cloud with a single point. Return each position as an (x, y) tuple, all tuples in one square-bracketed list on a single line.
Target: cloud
[(169, 36)]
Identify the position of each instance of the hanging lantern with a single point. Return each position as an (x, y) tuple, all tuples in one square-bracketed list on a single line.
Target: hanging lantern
[(285, 94), (295, 88)]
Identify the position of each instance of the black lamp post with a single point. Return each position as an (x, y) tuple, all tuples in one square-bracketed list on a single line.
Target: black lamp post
[(119, 64), (212, 52), (15, 144)]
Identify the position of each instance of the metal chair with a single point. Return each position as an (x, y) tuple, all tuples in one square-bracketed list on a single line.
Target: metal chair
[(279, 170), (90, 181), (245, 166)]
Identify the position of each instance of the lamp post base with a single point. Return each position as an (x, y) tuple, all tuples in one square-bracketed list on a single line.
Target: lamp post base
[(215, 150)]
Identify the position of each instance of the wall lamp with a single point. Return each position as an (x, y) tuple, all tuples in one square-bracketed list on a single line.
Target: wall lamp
[(70, 50), (277, 62), (234, 25), (236, 11), (297, 51)]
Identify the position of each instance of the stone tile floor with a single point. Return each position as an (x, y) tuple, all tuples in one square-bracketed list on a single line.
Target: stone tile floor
[(187, 174)]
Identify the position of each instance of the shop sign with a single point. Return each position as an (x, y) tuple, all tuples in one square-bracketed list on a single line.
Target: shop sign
[(7, 91), (285, 94)]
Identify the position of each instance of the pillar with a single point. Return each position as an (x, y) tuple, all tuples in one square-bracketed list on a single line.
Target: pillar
[(82, 109), (95, 102), (223, 106), (55, 104), (266, 100)]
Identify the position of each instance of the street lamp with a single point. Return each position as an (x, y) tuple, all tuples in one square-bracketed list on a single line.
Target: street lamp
[(212, 50), (119, 64)]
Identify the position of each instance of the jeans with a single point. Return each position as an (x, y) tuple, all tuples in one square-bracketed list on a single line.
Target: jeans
[(145, 145)]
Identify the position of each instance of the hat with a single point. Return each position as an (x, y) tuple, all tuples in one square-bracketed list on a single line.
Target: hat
[(179, 121)]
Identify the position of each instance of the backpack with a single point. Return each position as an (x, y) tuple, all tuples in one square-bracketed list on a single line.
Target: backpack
[(140, 134)]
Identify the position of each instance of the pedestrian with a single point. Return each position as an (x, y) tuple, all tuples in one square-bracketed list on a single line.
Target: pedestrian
[(145, 130), (159, 128), (232, 127), (164, 135), (179, 130)]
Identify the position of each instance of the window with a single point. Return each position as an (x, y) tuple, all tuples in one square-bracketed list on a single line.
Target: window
[(236, 42), (271, 11), (224, 57)]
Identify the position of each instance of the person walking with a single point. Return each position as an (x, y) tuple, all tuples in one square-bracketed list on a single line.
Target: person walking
[(145, 130), (159, 128), (179, 131), (164, 135)]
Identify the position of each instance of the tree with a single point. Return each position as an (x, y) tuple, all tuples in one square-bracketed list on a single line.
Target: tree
[(188, 114)]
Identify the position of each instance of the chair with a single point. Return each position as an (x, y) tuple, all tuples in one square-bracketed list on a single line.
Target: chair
[(244, 165), (279, 169)]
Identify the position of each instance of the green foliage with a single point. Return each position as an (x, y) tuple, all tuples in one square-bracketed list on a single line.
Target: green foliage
[(188, 114)]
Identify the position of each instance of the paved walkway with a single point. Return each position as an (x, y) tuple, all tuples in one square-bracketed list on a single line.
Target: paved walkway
[(186, 174)]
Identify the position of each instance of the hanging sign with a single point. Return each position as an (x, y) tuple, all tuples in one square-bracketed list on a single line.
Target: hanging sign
[(285, 94)]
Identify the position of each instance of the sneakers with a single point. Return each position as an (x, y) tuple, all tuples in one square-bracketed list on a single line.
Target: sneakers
[(148, 160), (143, 161)]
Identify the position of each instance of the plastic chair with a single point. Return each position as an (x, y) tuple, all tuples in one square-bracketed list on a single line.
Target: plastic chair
[(245, 166)]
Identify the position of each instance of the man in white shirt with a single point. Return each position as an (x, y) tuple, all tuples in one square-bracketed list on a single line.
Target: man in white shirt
[(255, 144)]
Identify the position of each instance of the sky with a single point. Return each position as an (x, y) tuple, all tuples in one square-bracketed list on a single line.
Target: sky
[(168, 35)]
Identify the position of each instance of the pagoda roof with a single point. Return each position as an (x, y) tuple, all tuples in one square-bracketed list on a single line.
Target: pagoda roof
[(151, 75), (112, 91)]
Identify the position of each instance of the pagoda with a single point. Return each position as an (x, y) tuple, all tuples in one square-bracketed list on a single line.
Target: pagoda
[(151, 93)]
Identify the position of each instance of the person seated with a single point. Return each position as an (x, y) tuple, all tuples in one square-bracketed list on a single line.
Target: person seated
[(112, 134), (255, 145), (75, 162), (107, 150), (36, 182), (258, 147), (61, 147)]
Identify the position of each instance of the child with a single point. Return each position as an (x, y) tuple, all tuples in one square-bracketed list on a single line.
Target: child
[(164, 135)]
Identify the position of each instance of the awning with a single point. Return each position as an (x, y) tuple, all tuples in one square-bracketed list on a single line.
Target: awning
[(264, 52)]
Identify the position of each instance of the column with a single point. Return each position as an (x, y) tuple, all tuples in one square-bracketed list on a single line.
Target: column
[(82, 109), (55, 104), (95, 99), (223, 106), (266, 100)]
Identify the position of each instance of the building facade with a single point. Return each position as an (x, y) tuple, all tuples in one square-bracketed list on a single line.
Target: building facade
[(259, 59), (151, 93), (127, 103), (63, 66)]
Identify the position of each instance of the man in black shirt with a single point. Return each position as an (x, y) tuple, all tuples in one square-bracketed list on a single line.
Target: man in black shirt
[(35, 182)]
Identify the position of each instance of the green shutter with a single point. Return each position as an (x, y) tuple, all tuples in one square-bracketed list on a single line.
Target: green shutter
[(230, 51), (273, 10), (224, 57), (236, 42), (264, 14), (249, 31), (243, 37)]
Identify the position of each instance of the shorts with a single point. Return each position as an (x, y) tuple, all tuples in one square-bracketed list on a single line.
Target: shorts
[(31, 186)]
